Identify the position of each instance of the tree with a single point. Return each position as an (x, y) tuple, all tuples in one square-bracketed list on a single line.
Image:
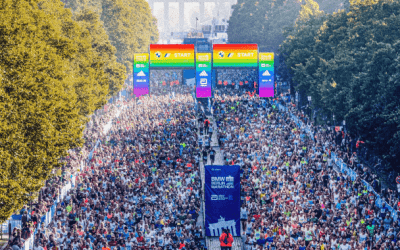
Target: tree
[(296, 52), (113, 73), (129, 25), (247, 23), (348, 63), (55, 72), (38, 118)]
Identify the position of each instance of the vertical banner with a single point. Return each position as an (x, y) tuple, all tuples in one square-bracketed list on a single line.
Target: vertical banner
[(266, 75), (141, 74), (203, 75), (222, 199)]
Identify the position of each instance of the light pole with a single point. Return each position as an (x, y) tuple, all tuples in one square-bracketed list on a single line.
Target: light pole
[(334, 124), (309, 105), (344, 125)]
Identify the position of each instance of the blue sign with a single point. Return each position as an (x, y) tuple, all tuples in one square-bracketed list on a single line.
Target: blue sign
[(222, 199)]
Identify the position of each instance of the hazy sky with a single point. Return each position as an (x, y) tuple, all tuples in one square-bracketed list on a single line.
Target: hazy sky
[(191, 11)]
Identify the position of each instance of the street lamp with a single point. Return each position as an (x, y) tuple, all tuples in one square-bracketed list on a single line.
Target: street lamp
[(344, 125), (309, 105), (334, 124)]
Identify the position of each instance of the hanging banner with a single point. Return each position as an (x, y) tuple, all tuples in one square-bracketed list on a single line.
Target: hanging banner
[(172, 55), (222, 199), (203, 75), (235, 55), (266, 75), (141, 74)]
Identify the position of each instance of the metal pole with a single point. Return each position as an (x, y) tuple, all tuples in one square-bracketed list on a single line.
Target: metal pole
[(334, 123)]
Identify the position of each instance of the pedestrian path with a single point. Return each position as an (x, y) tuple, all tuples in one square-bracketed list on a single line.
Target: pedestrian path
[(213, 243)]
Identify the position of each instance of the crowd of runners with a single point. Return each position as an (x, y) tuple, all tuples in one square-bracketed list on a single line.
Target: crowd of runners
[(292, 196), (238, 79), (142, 186)]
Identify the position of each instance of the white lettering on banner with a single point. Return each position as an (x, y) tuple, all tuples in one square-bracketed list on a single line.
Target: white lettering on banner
[(245, 54), (139, 80), (266, 58), (221, 197), (140, 58), (182, 54), (203, 58), (222, 182)]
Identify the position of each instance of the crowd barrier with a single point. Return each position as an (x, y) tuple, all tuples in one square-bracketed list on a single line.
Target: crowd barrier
[(47, 218), (15, 222), (379, 202)]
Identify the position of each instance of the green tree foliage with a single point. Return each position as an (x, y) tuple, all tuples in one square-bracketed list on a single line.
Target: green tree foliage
[(129, 25), (38, 118), (331, 6), (55, 71), (247, 23), (349, 64), (263, 22), (112, 73)]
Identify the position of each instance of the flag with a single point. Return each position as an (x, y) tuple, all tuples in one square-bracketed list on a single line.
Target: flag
[(251, 94), (358, 143)]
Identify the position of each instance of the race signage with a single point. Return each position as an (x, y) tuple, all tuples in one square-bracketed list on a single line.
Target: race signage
[(172, 55), (222, 199), (235, 55), (141, 74), (266, 75), (203, 75)]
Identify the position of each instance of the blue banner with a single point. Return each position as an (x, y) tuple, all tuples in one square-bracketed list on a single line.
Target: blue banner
[(222, 199)]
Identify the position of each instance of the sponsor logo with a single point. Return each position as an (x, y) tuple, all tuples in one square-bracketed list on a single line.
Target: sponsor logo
[(266, 73), (202, 58), (203, 82), (266, 57), (141, 58)]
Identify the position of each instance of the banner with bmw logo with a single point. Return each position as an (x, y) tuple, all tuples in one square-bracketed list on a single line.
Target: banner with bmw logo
[(235, 55), (222, 199), (172, 55)]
